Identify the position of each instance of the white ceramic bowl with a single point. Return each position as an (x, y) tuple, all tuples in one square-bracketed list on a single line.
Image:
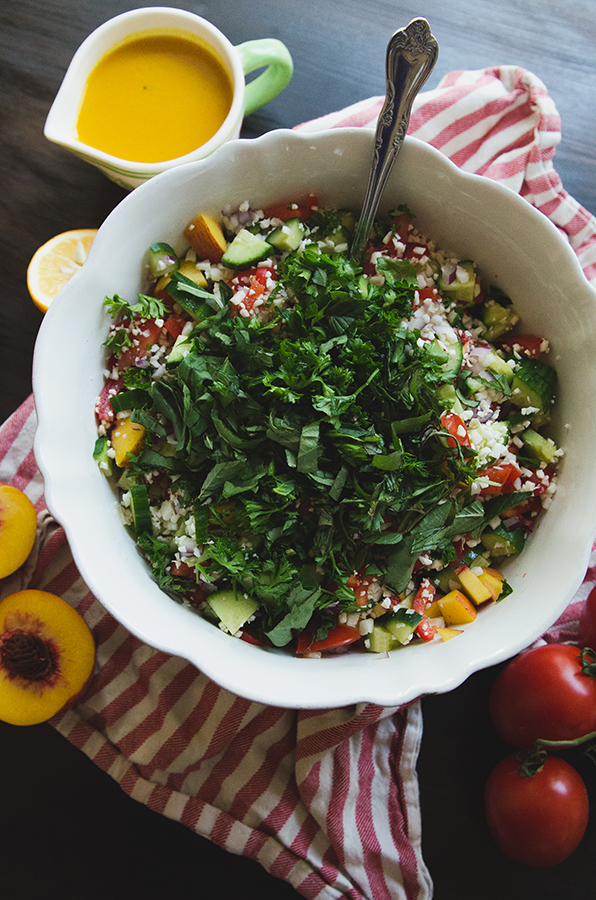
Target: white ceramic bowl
[(516, 248)]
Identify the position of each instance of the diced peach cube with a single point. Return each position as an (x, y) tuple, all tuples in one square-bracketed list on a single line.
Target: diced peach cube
[(447, 633), (126, 438), (433, 609), (472, 585), (456, 609), (492, 583), (206, 237)]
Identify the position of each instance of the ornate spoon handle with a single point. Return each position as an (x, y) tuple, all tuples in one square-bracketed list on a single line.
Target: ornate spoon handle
[(411, 56)]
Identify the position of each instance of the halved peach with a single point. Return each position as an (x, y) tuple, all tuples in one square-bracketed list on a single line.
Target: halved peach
[(47, 657), (18, 525)]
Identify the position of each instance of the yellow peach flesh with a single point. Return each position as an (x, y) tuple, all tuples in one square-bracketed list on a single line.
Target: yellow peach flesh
[(18, 525), (42, 619)]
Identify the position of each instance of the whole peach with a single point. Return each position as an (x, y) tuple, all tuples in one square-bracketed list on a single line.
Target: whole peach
[(18, 524)]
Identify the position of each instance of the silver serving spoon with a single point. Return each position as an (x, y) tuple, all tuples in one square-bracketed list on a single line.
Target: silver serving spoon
[(411, 56)]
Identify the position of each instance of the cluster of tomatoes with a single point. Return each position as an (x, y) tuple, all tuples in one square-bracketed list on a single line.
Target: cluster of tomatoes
[(543, 701)]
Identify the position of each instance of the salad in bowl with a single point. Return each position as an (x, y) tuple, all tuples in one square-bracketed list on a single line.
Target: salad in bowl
[(328, 483)]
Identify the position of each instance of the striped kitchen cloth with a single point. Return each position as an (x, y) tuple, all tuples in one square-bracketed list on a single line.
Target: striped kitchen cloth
[(498, 122), (326, 800)]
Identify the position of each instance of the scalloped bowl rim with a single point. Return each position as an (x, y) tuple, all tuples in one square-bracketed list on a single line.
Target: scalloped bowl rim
[(463, 213)]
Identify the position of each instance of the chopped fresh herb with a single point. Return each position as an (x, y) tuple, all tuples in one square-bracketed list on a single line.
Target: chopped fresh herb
[(298, 452)]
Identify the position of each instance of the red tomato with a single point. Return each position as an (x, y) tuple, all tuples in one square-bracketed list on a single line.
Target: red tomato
[(174, 326), (502, 475), (103, 408), (339, 636), (146, 332), (538, 820), (290, 210), (360, 585), (183, 570), (251, 638), (543, 693), (540, 481), (454, 424), (587, 622), (425, 630), (401, 226), (423, 294), (415, 249), (525, 345), (257, 282)]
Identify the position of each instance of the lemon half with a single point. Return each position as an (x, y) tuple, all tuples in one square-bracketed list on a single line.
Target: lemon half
[(56, 262)]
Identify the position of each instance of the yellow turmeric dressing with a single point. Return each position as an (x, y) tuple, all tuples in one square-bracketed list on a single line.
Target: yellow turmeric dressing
[(154, 97)]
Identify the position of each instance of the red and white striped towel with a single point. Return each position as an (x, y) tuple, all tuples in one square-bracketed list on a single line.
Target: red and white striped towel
[(327, 800)]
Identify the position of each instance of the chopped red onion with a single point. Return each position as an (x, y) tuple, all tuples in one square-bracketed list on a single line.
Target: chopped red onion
[(448, 273)]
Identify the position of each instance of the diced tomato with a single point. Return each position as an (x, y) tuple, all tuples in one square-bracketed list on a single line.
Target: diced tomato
[(425, 629), (196, 595), (360, 584), (525, 345), (415, 249), (525, 512), (401, 226), (339, 636), (183, 570), (368, 266), (174, 326), (502, 477), (145, 334), (533, 504), (292, 210), (251, 638), (103, 408), (424, 596), (258, 282), (465, 339), (454, 424), (423, 294)]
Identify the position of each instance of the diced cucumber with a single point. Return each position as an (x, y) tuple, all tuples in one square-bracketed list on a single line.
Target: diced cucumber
[(498, 319), (363, 286), (245, 250), (446, 580), (162, 259), (380, 640), (125, 481), (447, 395), (501, 542), (347, 219), (182, 346), (533, 385), (233, 608), (100, 455), (475, 557), (499, 366), (192, 297), (338, 238), (401, 624), (539, 446), (288, 236), (452, 344), (461, 290), (473, 384), (141, 511)]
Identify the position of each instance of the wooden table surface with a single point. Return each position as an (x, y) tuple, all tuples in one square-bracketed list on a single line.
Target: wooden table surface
[(66, 830)]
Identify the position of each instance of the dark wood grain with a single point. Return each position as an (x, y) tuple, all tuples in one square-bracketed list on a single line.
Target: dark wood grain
[(66, 829)]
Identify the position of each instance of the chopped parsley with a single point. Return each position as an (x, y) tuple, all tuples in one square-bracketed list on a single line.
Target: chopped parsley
[(307, 445)]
